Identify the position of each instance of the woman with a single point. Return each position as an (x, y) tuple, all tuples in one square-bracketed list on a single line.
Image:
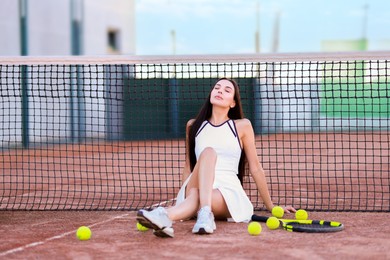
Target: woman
[(218, 143)]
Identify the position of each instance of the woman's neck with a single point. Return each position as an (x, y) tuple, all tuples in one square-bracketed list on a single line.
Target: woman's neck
[(218, 116)]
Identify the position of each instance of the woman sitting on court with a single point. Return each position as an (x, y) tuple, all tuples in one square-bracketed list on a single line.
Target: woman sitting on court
[(218, 143)]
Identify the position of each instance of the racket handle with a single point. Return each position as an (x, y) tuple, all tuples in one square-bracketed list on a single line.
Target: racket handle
[(259, 218)]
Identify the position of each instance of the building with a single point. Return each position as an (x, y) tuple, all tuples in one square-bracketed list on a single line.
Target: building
[(71, 102), (67, 27)]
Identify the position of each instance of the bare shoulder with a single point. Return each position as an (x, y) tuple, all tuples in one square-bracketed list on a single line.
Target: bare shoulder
[(244, 127), (190, 122), (243, 124)]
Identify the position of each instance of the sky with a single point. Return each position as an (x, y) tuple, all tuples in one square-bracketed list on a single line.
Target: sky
[(229, 26)]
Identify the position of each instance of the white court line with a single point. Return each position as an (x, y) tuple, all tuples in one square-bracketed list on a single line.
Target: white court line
[(34, 244), (162, 203)]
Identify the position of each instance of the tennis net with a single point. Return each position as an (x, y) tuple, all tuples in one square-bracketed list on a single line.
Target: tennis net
[(107, 133)]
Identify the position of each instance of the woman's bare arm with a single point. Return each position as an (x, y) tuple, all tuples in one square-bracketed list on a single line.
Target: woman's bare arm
[(247, 136), (187, 166), (248, 141)]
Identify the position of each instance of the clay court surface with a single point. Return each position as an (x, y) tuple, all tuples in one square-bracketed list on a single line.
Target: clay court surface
[(51, 235), (31, 182)]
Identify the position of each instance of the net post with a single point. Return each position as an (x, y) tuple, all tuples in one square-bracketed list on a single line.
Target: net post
[(174, 106), (25, 106), (23, 8)]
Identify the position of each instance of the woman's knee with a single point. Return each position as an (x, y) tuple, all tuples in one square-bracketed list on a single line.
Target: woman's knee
[(208, 153)]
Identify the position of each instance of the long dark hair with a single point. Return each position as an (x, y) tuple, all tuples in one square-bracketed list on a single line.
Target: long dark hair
[(205, 113)]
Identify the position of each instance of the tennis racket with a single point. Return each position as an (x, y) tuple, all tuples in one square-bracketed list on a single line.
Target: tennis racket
[(309, 226)]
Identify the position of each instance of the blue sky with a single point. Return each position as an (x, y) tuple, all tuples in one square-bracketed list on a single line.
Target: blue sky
[(229, 26)]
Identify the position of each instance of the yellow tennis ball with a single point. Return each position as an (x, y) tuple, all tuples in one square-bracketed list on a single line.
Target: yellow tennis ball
[(254, 228), (278, 212), (272, 223), (141, 228), (301, 214), (83, 233)]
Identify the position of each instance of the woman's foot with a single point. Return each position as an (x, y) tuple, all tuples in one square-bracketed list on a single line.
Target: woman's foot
[(158, 220), (205, 223)]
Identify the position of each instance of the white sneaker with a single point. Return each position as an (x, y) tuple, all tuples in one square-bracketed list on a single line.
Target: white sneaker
[(158, 220), (205, 223)]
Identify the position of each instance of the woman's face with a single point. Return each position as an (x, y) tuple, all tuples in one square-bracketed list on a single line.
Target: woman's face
[(223, 94)]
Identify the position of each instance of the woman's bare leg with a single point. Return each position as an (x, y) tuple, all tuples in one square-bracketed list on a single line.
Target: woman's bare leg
[(203, 176), (187, 208), (219, 206), (206, 176), (190, 206), (199, 189)]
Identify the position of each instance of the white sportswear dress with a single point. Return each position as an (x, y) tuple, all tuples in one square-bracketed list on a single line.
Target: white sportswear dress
[(225, 141)]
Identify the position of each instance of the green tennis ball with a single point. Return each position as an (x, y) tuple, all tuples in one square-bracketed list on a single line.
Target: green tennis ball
[(254, 228), (83, 233), (141, 228), (272, 223), (301, 214), (278, 212)]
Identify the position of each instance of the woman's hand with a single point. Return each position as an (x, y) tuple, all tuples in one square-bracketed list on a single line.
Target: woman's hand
[(289, 209)]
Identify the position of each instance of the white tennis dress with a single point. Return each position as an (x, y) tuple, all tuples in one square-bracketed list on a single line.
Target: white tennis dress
[(225, 141)]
